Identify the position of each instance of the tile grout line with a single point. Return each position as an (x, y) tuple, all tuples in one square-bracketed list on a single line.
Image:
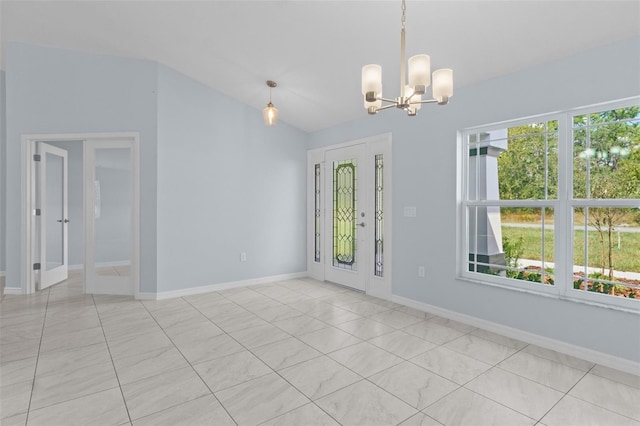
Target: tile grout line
[(591, 403), (291, 384), (35, 371), (557, 390), (344, 366), (188, 362), (277, 372), (565, 394), (115, 371), (463, 386)]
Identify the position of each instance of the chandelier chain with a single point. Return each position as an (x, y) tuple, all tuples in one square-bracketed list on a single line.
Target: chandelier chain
[(404, 11)]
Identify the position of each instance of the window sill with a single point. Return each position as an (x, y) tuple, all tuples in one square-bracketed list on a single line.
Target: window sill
[(552, 295)]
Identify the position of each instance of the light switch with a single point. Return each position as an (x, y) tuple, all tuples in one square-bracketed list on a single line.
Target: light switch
[(409, 211)]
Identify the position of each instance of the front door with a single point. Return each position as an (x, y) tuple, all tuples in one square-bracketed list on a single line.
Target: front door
[(347, 216), (54, 218)]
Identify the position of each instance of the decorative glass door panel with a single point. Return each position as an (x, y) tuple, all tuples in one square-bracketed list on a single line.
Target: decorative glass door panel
[(346, 218), (379, 216), (344, 214), (317, 212)]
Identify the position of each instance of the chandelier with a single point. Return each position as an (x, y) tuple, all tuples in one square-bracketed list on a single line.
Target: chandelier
[(410, 98)]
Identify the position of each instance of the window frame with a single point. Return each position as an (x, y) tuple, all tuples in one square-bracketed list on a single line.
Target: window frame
[(562, 206)]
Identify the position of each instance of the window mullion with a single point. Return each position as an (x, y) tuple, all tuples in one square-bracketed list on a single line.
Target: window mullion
[(563, 211)]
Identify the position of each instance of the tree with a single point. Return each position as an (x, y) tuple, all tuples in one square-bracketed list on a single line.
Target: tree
[(607, 151), (606, 166), (528, 169)]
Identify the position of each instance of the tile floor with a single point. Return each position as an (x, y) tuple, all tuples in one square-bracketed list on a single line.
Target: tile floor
[(298, 352)]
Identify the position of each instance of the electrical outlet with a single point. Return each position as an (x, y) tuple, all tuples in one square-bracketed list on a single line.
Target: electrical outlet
[(421, 271), (243, 256)]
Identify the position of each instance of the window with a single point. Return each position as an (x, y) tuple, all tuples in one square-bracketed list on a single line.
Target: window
[(552, 204)]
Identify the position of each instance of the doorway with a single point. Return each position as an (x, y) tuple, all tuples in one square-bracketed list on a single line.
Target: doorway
[(349, 220), (105, 211)]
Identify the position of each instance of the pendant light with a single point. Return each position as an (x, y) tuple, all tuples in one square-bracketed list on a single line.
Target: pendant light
[(270, 113)]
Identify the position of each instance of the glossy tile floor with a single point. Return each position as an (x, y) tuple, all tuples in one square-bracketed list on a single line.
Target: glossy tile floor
[(298, 352)]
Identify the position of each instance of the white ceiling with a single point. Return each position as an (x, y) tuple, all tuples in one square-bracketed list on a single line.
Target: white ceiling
[(315, 49)]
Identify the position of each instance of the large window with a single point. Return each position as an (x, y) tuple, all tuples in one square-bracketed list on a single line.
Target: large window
[(552, 204)]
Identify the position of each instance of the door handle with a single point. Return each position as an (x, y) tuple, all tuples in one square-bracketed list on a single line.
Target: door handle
[(65, 221), (361, 224)]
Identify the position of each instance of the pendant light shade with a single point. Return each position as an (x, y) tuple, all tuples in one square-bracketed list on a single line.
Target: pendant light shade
[(420, 71), (270, 113), (371, 79), (442, 85)]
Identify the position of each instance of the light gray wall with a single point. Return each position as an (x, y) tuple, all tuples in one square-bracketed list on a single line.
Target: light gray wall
[(226, 184), (424, 167), (62, 91)]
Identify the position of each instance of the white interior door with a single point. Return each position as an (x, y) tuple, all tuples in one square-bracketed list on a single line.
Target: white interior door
[(347, 216), (110, 217), (53, 202)]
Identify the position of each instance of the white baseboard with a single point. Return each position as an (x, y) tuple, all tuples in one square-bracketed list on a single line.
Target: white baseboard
[(591, 355), (15, 291), (217, 287)]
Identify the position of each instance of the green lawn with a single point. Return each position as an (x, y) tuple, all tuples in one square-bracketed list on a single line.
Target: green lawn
[(626, 258)]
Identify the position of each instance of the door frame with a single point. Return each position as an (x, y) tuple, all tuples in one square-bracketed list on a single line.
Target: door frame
[(379, 144), (29, 201)]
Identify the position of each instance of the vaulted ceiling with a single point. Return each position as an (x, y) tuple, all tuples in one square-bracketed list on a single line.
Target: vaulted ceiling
[(315, 49)]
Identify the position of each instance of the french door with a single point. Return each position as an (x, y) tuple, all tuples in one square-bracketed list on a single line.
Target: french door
[(349, 220), (110, 217), (54, 216)]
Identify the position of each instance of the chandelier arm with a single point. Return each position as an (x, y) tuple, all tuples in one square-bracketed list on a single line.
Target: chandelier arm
[(386, 100), (386, 107), (408, 98), (428, 101)]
